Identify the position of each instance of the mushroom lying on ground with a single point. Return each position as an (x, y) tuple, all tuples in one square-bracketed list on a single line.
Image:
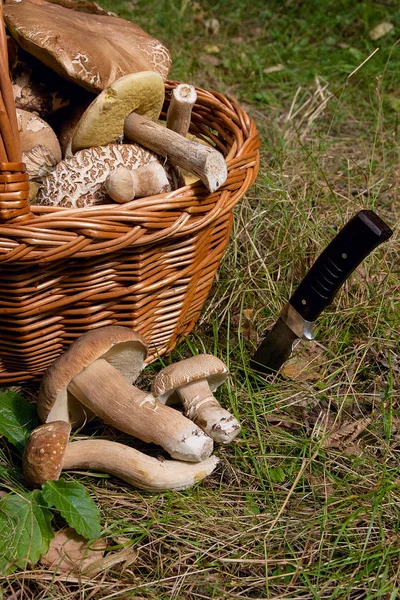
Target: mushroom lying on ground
[(91, 49), (47, 452), (96, 372), (123, 184), (127, 107), (79, 181), (192, 382), (39, 144)]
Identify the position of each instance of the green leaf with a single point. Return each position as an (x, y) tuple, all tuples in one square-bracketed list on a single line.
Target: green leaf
[(76, 506), (25, 530), (17, 418), (277, 474)]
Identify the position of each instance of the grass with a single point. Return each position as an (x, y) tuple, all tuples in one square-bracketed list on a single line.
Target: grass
[(288, 514)]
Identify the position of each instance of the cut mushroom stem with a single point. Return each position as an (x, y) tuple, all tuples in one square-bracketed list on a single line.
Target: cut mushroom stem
[(123, 184), (206, 162), (179, 115), (192, 381), (47, 452), (179, 112)]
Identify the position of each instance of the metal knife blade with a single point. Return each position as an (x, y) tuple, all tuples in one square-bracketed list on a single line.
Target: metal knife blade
[(364, 232)]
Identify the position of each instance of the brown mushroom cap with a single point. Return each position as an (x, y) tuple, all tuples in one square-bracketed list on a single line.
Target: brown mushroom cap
[(39, 144), (122, 347), (176, 375), (44, 452), (91, 49)]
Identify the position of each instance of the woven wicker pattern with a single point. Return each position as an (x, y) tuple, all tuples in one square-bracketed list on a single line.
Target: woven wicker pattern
[(148, 264)]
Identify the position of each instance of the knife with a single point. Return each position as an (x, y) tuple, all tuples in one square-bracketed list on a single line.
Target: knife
[(364, 232)]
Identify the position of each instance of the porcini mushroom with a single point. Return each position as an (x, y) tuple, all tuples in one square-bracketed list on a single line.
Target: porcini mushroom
[(47, 452), (79, 180), (103, 120), (192, 381), (90, 49), (129, 106), (96, 372), (123, 184), (39, 144)]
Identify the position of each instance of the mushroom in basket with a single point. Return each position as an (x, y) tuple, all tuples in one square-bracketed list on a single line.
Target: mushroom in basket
[(96, 175), (48, 451), (90, 49), (94, 377)]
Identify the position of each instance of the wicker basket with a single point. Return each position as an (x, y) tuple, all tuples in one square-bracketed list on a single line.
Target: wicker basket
[(148, 264)]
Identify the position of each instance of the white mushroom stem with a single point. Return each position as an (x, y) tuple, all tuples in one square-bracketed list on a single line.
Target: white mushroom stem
[(206, 162), (105, 392), (179, 116), (134, 467), (179, 112), (123, 184), (203, 408)]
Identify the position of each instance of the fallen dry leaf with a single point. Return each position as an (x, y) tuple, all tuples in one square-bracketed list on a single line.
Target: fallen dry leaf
[(244, 324), (306, 362), (126, 555), (345, 435), (69, 552), (380, 30)]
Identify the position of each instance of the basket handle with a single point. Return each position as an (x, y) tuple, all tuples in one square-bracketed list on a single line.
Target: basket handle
[(14, 181)]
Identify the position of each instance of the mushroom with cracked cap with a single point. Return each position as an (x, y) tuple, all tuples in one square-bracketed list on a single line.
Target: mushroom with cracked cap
[(192, 381), (96, 373), (48, 451), (39, 144), (90, 49), (80, 180), (123, 109)]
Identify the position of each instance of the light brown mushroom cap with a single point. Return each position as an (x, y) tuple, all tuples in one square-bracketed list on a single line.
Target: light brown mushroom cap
[(122, 347), (176, 375), (91, 49), (39, 144), (44, 452), (78, 181), (103, 120)]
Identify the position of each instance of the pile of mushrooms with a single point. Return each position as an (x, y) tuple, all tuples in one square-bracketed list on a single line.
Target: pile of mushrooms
[(95, 378), (89, 89)]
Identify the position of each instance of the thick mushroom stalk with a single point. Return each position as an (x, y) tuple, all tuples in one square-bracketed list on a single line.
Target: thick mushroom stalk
[(108, 395), (192, 381), (94, 377), (134, 467), (179, 115), (47, 453)]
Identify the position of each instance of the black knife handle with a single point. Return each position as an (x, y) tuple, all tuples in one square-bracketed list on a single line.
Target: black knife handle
[(364, 232)]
